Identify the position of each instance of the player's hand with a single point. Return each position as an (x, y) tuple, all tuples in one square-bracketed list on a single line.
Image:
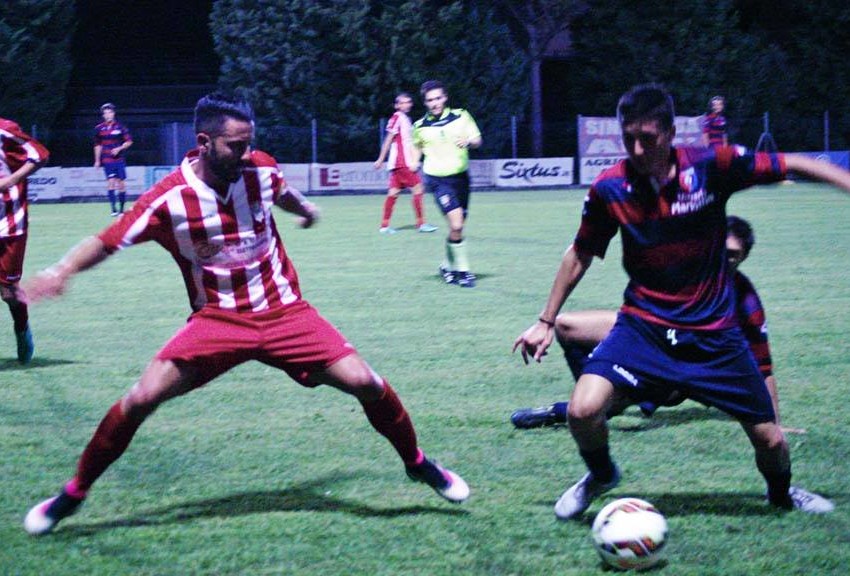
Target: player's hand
[(535, 341), (310, 215), (378, 164), (4, 183), (462, 142), (48, 283), (115, 152), (97, 163), (414, 167)]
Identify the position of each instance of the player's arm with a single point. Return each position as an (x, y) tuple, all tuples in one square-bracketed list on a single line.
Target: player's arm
[(472, 138), (291, 200), (385, 149), (53, 281), (20, 174), (537, 338), (97, 151), (128, 141), (818, 170)]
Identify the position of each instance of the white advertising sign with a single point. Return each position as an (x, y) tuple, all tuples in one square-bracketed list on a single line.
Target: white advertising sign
[(529, 172)]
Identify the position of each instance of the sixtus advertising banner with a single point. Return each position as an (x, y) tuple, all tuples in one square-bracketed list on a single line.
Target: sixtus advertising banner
[(600, 144), (533, 172)]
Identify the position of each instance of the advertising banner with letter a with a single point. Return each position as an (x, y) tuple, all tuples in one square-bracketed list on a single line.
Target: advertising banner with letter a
[(600, 144)]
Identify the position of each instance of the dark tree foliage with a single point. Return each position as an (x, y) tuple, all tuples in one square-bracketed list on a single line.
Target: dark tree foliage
[(35, 61), (342, 61)]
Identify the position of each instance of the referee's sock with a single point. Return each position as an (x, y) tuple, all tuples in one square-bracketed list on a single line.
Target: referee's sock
[(458, 255)]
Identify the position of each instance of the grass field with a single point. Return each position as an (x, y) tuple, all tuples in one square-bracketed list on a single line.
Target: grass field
[(254, 475)]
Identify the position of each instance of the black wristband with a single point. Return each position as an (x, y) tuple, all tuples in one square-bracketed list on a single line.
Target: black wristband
[(549, 323)]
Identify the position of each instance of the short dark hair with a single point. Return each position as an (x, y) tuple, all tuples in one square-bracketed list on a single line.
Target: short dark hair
[(107, 106), (429, 85), (647, 102), (743, 231), (717, 98), (213, 109), (402, 95)]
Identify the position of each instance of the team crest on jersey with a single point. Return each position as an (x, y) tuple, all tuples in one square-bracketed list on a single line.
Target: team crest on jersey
[(692, 195)]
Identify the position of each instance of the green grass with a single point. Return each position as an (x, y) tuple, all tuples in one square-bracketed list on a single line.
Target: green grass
[(255, 475)]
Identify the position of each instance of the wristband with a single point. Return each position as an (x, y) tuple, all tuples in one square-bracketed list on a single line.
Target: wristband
[(548, 323)]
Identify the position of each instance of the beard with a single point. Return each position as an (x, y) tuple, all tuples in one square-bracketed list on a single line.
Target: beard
[(226, 171)]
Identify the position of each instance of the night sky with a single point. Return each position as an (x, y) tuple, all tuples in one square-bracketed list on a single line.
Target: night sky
[(140, 43)]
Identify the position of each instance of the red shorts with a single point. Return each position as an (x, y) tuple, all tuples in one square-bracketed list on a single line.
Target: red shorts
[(297, 340), (12, 258), (402, 178)]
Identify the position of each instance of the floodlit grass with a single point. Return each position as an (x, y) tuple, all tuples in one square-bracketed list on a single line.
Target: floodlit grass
[(254, 475)]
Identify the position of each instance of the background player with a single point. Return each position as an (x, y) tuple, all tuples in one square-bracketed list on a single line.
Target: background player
[(676, 329), (111, 140), (445, 135), (20, 156), (714, 124), (398, 145), (213, 214), (580, 332)]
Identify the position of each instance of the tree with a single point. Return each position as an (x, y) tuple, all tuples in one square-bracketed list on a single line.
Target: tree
[(342, 61), (35, 62), (546, 27)]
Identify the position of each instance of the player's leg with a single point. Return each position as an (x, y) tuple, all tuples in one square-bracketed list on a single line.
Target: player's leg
[(111, 187), (388, 416), (122, 194), (578, 333), (161, 381), (592, 397), (417, 197), (189, 360), (389, 205), (12, 251), (773, 460)]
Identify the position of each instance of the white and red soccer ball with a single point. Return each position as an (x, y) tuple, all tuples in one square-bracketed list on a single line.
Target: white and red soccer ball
[(630, 534)]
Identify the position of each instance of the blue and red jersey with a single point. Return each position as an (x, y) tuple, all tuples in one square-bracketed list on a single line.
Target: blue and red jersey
[(110, 135), (674, 237), (714, 125), (753, 323)]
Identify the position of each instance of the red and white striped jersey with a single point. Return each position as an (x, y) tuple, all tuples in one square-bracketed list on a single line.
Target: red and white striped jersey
[(228, 249), (401, 150), (16, 148)]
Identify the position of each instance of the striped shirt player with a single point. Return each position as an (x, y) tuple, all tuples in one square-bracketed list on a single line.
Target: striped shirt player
[(214, 216), (400, 155), (229, 253), (714, 129), (676, 330), (111, 140), (20, 156)]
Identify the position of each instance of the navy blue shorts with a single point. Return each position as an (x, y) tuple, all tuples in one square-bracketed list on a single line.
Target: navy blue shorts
[(450, 192), (115, 170), (713, 367)]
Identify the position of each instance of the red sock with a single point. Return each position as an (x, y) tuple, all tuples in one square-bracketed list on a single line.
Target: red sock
[(388, 416), (110, 440), (389, 204), (419, 209)]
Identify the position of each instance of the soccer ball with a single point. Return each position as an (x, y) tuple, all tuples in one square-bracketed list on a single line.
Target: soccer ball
[(630, 533)]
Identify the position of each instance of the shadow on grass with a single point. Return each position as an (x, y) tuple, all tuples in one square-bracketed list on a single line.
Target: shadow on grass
[(12, 365), (307, 497), (677, 417)]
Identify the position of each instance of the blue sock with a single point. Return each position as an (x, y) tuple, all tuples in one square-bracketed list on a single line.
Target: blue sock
[(560, 411), (122, 198), (599, 463), (111, 195)]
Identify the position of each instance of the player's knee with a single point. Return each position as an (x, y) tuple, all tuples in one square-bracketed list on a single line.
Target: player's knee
[(583, 415), (768, 438), (361, 381)]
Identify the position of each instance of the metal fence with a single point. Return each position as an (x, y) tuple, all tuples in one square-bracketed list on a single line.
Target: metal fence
[(505, 136)]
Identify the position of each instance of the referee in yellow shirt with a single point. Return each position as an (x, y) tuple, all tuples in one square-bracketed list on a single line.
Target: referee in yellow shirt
[(444, 136)]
